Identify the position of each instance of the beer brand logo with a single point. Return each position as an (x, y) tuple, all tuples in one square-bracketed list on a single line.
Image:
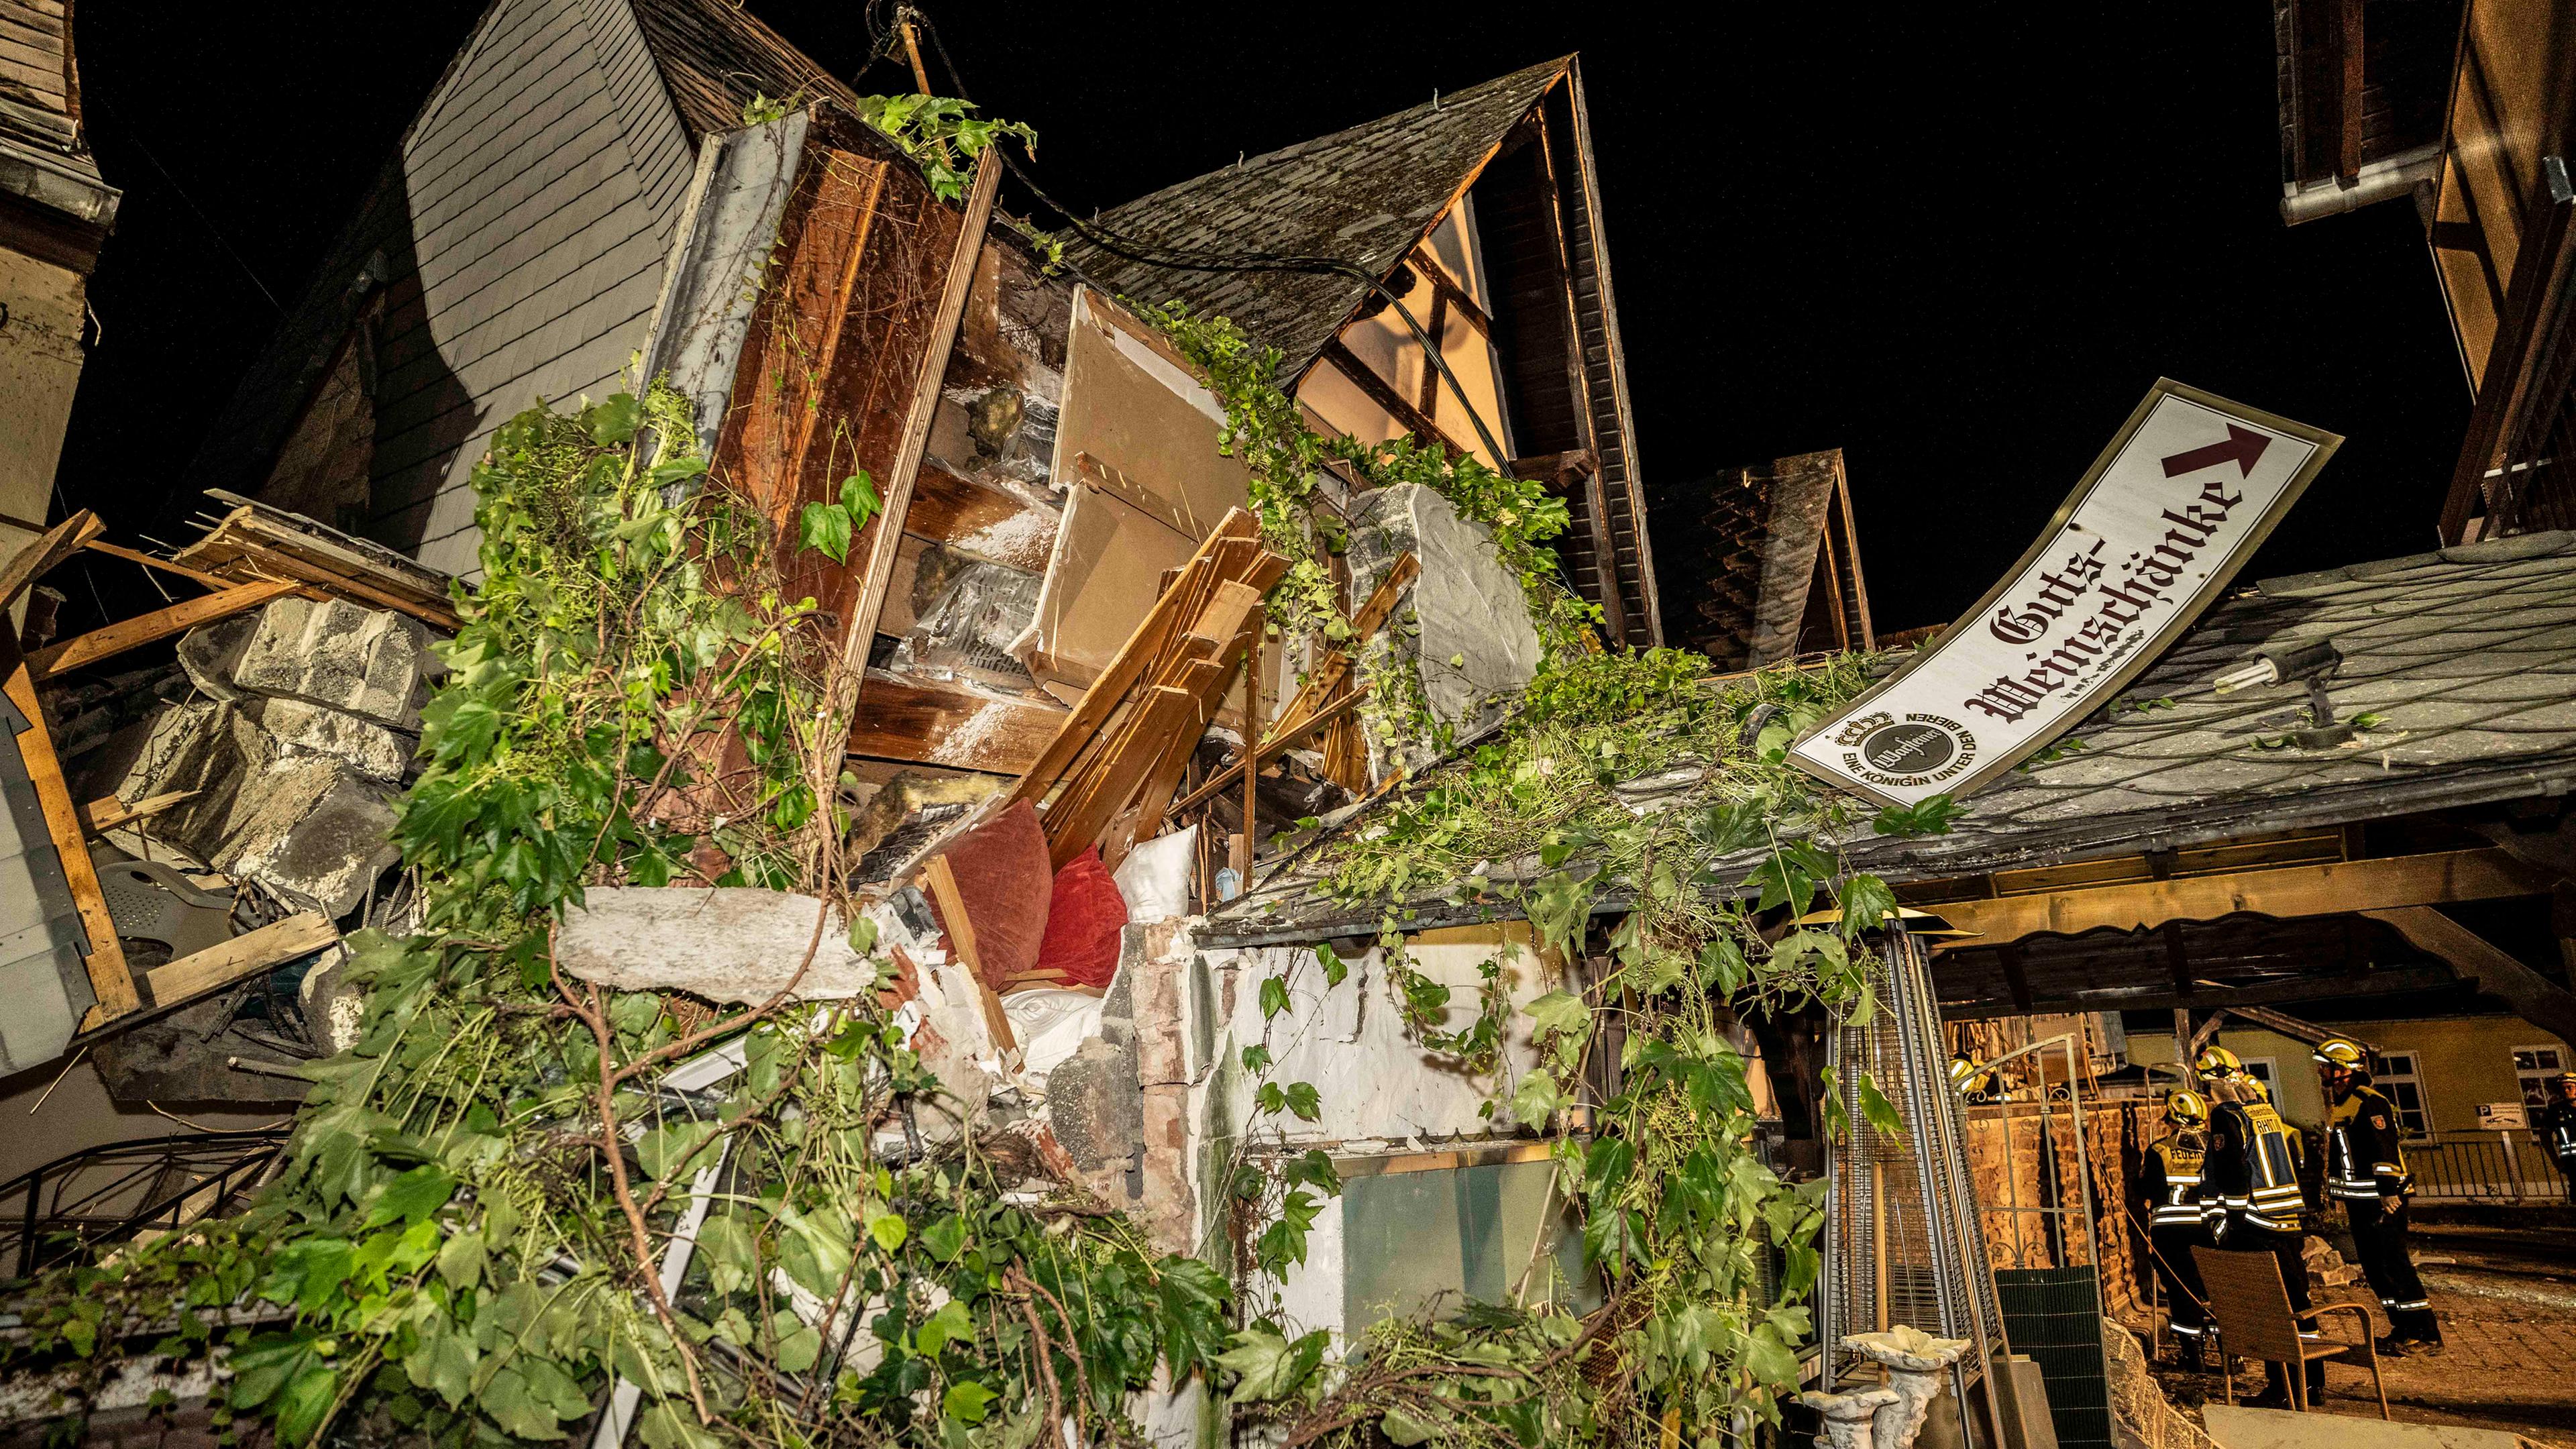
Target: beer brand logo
[(1919, 749), (1858, 728), (1910, 748)]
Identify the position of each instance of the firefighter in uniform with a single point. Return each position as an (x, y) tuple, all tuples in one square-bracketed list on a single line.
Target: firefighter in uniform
[(2250, 1188), (2366, 1172), (2558, 1128), (2168, 1188)]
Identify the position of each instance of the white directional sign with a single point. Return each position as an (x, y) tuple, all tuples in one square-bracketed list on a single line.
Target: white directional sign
[(2181, 497)]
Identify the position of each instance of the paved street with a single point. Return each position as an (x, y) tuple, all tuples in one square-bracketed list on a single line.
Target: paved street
[(2506, 1297)]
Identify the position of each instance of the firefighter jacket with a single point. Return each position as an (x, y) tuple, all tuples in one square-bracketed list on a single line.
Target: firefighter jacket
[(2169, 1183), (2558, 1129), (2363, 1158), (2251, 1176)]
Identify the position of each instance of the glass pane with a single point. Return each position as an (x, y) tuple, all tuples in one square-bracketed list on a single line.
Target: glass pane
[(1455, 1234)]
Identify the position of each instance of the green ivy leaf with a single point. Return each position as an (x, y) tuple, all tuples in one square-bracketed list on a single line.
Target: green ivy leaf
[(966, 1402), (945, 1239), (1304, 1101), (1866, 901), (859, 499), (1536, 1098), (1191, 1300), (1400, 1426), (1268, 1366), (825, 527), (888, 1230), (1256, 1059), (1274, 996), (1334, 967), (1560, 1012), (414, 1195), (951, 1324)]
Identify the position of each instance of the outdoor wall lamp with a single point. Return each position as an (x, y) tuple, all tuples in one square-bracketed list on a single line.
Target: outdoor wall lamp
[(2312, 664)]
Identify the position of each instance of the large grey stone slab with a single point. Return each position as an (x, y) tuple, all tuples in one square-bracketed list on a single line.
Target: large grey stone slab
[(734, 943), (372, 663), (1464, 624), (308, 827)]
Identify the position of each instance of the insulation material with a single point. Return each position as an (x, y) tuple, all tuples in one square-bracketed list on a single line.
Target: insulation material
[(1137, 449), (966, 631)]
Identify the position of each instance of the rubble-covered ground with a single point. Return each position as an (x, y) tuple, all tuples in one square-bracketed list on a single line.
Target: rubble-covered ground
[(2504, 1286)]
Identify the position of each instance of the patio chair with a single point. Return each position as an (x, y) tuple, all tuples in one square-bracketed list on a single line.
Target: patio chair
[(2251, 1307)]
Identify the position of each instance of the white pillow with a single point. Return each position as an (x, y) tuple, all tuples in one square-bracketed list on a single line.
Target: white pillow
[(1155, 876)]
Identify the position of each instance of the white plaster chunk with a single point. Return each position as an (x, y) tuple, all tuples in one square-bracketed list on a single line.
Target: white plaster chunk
[(732, 943)]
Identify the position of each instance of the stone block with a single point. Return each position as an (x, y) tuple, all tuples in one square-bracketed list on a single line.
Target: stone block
[(308, 827), (1464, 623), (372, 663), (370, 749)]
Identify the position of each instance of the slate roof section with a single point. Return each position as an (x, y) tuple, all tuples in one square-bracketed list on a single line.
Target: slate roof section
[(44, 158), (1365, 196), (2468, 657), (715, 56)]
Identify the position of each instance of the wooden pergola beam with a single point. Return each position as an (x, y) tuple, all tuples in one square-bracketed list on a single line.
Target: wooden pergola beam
[(2534, 997), (2330, 888), (2155, 998)]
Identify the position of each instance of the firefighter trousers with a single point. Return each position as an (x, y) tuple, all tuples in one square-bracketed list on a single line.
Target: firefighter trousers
[(2180, 1273), (2380, 1237)]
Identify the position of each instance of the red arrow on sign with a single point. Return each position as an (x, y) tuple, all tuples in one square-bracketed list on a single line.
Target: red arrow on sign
[(2242, 447)]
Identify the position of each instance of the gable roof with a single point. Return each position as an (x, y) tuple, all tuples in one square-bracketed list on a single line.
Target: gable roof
[(2467, 656), (512, 246), (1364, 195), (714, 57)]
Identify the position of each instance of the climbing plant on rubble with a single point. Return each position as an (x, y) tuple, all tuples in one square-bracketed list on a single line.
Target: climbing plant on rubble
[(942, 135), (1625, 773), (466, 1244), (1266, 429)]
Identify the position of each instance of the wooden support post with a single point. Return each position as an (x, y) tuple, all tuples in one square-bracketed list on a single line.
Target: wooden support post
[(1243, 846), (109, 979), (2182, 1047)]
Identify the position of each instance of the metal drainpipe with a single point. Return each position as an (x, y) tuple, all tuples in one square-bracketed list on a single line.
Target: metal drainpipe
[(2383, 180)]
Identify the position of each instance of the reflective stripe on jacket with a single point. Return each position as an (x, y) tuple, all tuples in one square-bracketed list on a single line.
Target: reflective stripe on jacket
[(2364, 1158)]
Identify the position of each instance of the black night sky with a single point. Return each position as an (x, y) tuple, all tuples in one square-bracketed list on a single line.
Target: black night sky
[(1958, 242)]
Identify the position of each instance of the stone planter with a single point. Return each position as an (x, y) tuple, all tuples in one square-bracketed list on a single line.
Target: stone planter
[(1849, 1417), (1918, 1367)]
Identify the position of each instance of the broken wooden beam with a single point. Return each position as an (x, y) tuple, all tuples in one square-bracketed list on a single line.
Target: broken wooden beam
[(149, 628), (42, 555), (2435, 878), (109, 979), (101, 816), (245, 955)]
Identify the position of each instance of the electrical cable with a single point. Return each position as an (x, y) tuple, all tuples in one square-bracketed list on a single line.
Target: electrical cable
[(1170, 259)]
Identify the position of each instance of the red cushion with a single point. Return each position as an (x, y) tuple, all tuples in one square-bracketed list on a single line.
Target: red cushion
[(1083, 922), (1002, 880)]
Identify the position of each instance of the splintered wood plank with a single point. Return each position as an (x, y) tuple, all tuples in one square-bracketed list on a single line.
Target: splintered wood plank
[(101, 816), (940, 879), (245, 955), (43, 554), (160, 624), (911, 719), (109, 980), (1124, 671), (1166, 710)]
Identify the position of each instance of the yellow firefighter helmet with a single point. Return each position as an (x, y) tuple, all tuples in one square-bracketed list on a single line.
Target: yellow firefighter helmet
[(2217, 1061), (2342, 1054), (2185, 1108)]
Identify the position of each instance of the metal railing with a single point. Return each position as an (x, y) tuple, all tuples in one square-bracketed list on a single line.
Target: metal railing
[(99, 1196), (2483, 1167)]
